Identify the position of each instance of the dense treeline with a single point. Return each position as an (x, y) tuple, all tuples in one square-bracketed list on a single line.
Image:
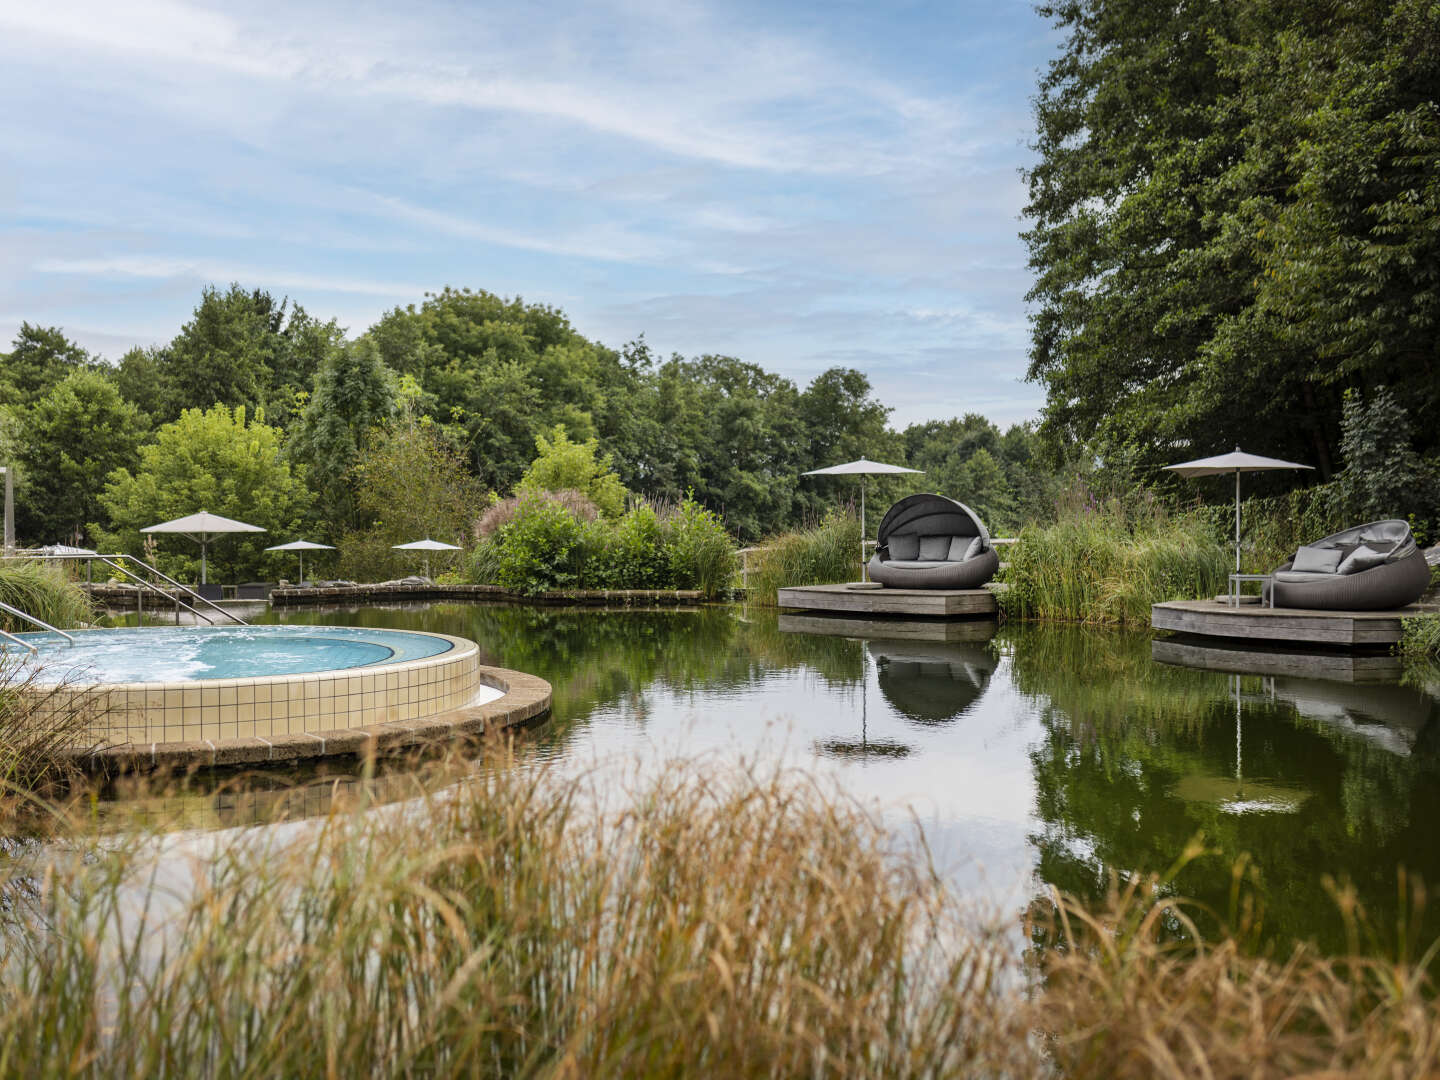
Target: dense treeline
[(1235, 224), (258, 410)]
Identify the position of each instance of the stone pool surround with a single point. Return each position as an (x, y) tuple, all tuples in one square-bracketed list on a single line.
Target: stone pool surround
[(243, 721)]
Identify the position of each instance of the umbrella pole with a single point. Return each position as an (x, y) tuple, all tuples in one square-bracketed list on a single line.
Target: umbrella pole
[(202, 562), (863, 575), (1237, 521), (302, 566)]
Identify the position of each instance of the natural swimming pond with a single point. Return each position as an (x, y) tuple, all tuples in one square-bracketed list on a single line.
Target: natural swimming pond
[(1031, 754)]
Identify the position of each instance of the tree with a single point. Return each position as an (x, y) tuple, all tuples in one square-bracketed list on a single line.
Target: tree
[(215, 460), (563, 465), (76, 436), (409, 484), (1234, 221), (40, 357), (141, 379), (354, 393)]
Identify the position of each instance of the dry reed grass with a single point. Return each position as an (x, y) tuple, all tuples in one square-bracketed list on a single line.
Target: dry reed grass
[(705, 923)]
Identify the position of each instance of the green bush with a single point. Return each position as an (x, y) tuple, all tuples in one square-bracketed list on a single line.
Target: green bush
[(699, 552), (549, 543), (822, 555), (45, 592), (1102, 562)]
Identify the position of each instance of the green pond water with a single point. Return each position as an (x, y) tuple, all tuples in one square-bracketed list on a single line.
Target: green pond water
[(1030, 755)]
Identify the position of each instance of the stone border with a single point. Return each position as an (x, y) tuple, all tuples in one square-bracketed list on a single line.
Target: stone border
[(525, 698), (620, 597)]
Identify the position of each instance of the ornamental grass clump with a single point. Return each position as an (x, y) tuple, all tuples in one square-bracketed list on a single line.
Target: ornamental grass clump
[(44, 591), (822, 555), (710, 923), (1105, 562)]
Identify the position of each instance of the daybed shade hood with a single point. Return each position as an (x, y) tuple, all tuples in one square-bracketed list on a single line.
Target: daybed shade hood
[(927, 514)]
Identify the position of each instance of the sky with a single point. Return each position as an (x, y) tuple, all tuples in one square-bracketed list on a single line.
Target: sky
[(801, 185)]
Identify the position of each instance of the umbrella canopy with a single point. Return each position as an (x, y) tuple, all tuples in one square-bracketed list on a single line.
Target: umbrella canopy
[(1237, 462), (427, 545), (862, 468), (300, 547), (202, 528)]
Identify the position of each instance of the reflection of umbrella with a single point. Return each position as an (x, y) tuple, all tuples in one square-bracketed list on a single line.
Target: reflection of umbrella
[(426, 545), (866, 746), (1237, 463), (201, 528), (300, 547), (1233, 795), (862, 468)]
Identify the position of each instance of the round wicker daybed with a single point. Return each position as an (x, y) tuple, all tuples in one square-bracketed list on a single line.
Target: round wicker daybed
[(1397, 573), (931, 542)]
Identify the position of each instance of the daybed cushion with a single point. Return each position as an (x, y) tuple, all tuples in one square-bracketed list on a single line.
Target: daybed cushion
[(1317, 560), (1362, 558), (934, 548), (964, 547), (913, 564), (904, 546), (1301, 577)]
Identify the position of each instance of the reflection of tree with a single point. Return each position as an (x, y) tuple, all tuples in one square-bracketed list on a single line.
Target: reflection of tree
[(1122, 738), (599, 657)]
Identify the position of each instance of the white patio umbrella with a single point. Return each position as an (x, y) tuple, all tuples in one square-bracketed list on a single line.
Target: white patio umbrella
[(202, 528), (426, 545), (300, 547), (862, 468), (1238, 462)]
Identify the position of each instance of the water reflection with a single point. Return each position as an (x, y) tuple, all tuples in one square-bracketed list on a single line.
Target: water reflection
[(1044, 756)]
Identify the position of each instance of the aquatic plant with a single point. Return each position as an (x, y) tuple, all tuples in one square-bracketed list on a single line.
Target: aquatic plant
[(1104, 562), (822, 554)]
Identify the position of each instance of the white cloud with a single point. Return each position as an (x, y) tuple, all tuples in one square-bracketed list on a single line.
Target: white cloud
[(220, 273)]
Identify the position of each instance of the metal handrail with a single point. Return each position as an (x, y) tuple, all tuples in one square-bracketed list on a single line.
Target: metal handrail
[(8, 609), (109, 560), (18, 641), (158, 591)]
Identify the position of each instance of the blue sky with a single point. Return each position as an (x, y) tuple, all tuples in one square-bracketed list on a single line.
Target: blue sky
[(800, 185)]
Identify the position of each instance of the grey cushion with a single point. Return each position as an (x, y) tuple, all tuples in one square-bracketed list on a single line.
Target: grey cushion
[(1300, 577), (934, 548), (904, 546), (1317, 560), (1362, 558), (911, 565)]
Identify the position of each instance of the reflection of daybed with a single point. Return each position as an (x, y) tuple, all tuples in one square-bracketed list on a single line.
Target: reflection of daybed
[(931, 542), (931, 682), (1368, 568)]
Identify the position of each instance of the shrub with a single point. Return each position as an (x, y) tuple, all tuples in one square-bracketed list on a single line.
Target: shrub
[(563, 465), (628, 553), (45, 592), (699, 552), (827, 553), (1104, 562), (503, 511), (543, 547)]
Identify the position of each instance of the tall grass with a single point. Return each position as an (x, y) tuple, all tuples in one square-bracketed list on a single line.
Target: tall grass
[(824, 554), (44, 591), (716, 927), (41, 725), (711, 923), (1104, 561)]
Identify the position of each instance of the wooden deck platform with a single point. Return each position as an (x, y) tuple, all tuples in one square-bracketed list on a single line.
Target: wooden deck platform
[(925, 603), (1255, 622), (888, 629), (1332, 664)]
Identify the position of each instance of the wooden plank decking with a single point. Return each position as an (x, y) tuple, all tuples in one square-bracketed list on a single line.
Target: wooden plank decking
[(932, 603), (889, 629), (1230, 657), (1255, 622)]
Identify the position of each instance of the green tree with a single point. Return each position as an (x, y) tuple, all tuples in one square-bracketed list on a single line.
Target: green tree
[(76, 436), (39, 358), (563, 464), (1235, 220), (354, 393), (217, 460), (410, 484), (141, 379)]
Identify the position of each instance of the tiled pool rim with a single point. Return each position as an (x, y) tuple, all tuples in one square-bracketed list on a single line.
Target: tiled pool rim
[(277, 718)]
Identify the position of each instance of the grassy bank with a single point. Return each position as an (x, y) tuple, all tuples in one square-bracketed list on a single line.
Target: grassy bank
[(826, 553), (1108, 562), (707, 923)]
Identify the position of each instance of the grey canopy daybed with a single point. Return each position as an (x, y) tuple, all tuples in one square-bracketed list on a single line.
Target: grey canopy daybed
[(931, 542), (1368, 568)]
